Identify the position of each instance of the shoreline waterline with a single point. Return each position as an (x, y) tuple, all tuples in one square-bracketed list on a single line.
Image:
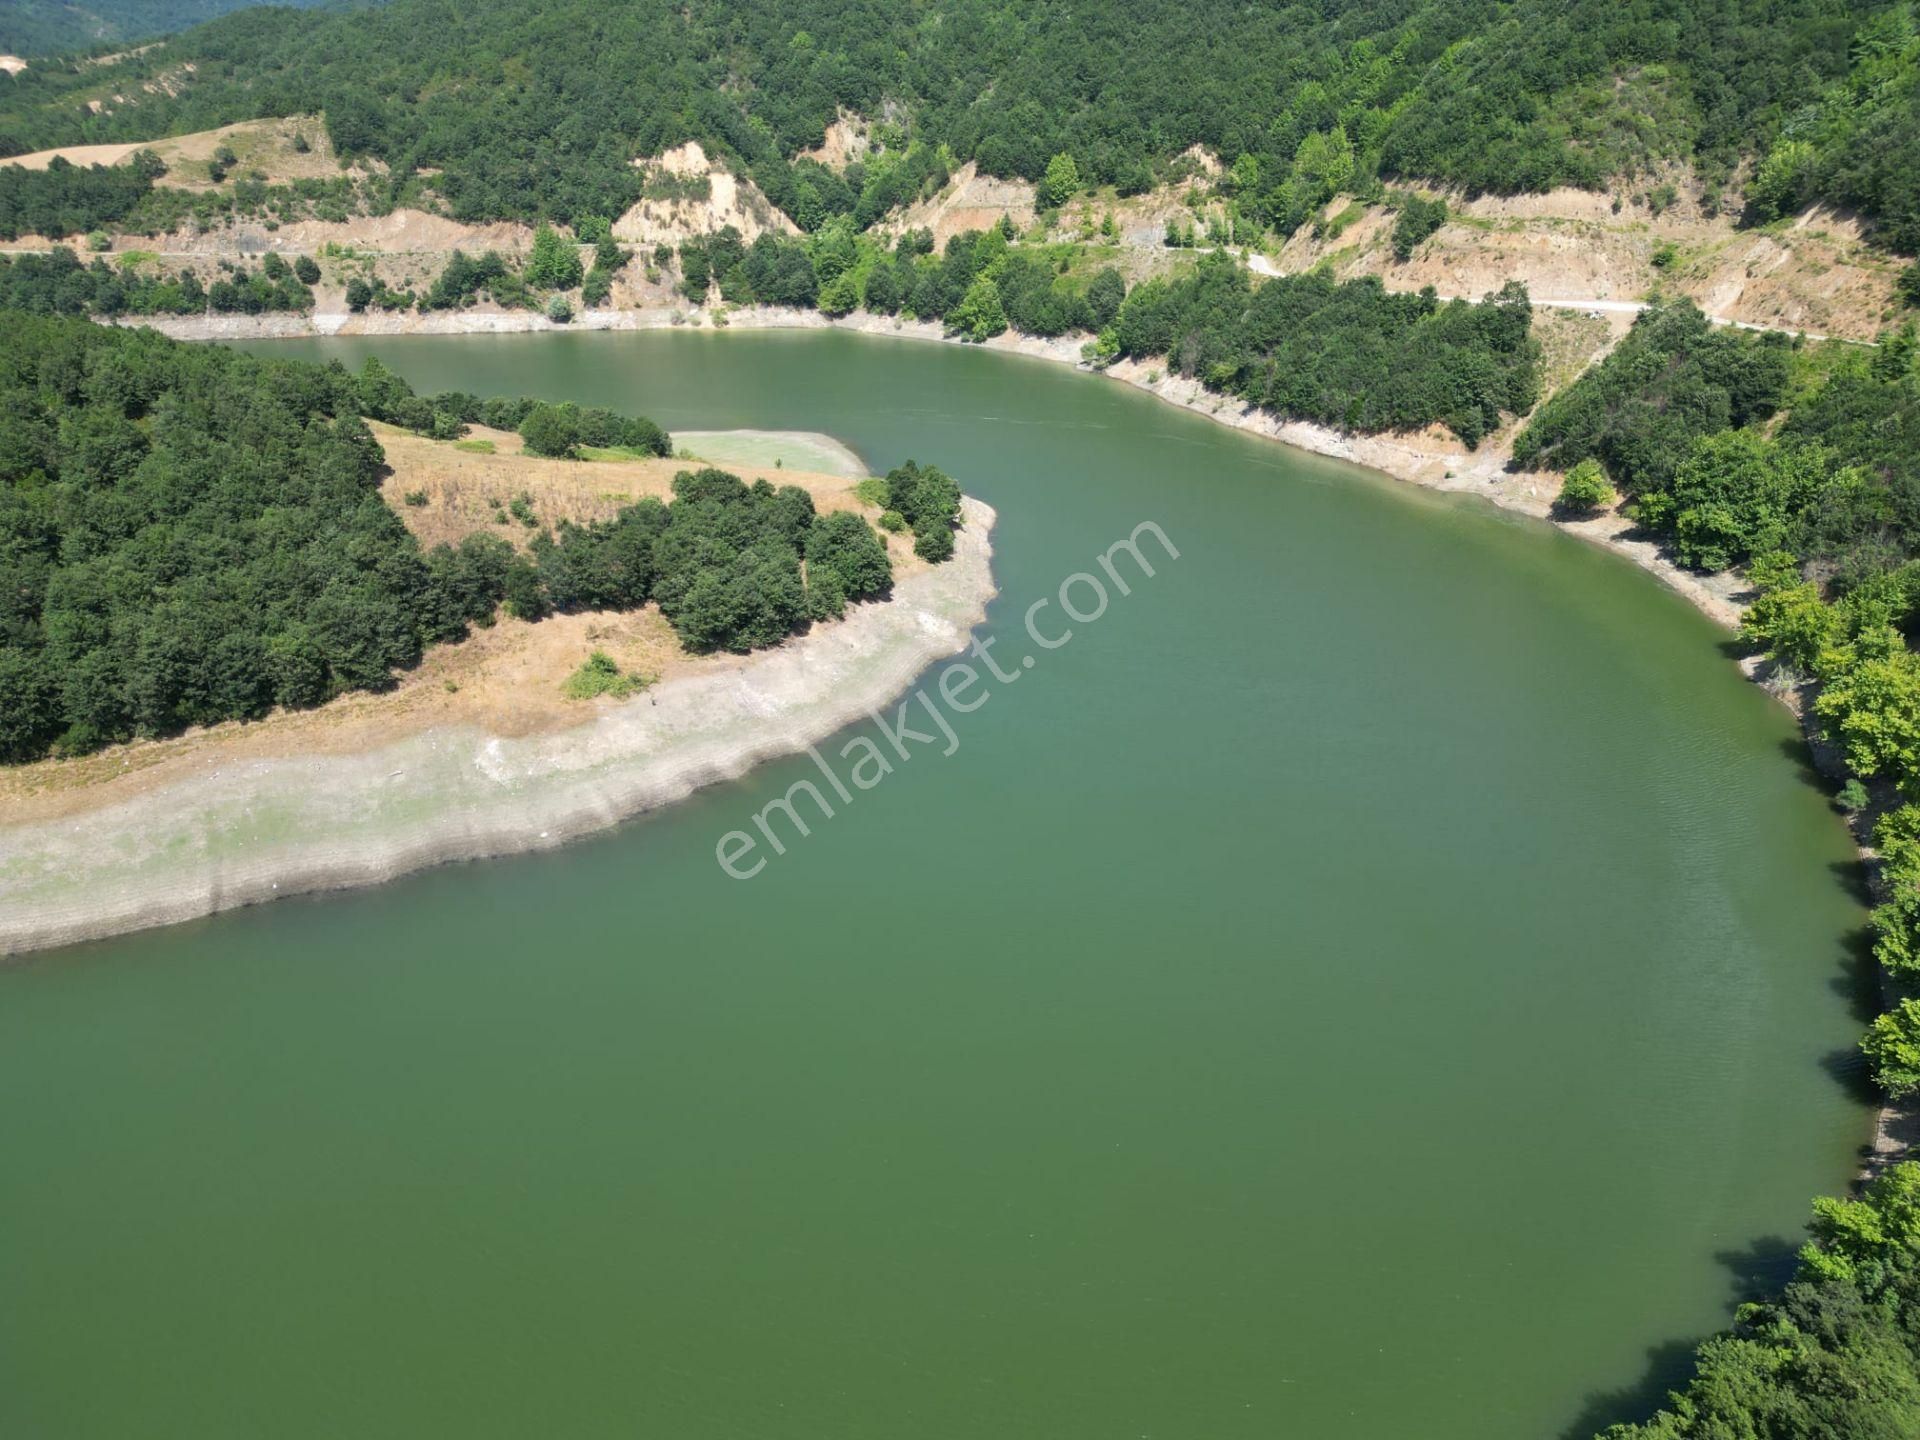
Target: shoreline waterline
[(264, 829), (1449, 469), (1482, 472)]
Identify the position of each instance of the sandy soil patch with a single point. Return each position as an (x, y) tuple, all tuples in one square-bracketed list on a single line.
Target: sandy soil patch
[(74, 155), (970, 201), (266, 146), (1816, 274), (847, 140), (12, 64), (729, 200)]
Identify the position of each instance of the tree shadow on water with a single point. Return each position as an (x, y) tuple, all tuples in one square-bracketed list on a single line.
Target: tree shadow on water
[(1857, 979), (1667, 1369), (1758, 1271), (1805, 764), (1762, 1269), (1850, 1071)]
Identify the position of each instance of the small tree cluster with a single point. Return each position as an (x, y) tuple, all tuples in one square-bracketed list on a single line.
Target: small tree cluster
[(928, 501)]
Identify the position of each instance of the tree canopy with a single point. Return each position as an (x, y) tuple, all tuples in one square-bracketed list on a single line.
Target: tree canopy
[(189, 534), (535, 112)]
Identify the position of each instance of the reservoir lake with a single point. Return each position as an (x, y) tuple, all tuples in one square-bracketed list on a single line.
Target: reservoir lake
[(1389, 975)]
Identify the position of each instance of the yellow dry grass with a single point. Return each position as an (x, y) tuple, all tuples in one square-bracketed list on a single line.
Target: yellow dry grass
[(263, 145), (464, 491), (505, 680)]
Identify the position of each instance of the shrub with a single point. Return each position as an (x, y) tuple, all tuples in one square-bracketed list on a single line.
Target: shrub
[(1417, 220), (555, 262), (1892, 1047), (1584, 490), (979, 315), (599, 675), (934, 545), (552, 430), (845, 544)]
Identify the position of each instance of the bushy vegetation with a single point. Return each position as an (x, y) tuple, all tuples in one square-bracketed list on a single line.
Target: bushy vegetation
[(65, 199), (535, 112), (191, 535), (1674, 380), (928, 501), (1584, 490), (1349, 354), (599, 675), (56, 283), (1417, 219), (563, 430), (740, 566), (466, 277)]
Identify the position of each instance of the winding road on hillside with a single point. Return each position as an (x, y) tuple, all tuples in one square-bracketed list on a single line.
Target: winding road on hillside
[(1261, 265)]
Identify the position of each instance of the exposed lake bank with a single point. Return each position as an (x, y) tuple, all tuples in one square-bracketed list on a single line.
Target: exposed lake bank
[(237, 833), (1433, 459)]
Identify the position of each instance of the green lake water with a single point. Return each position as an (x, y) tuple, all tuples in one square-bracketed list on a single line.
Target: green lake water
[(1389, 976)]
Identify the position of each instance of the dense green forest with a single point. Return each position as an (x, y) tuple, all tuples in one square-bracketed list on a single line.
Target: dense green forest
[(191, 535), (1353, 355), (536, 111), (56, 283), (50, 27)]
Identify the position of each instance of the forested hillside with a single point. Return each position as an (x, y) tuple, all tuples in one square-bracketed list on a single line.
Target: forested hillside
[(536, 111), (48, 27), (192, 535)]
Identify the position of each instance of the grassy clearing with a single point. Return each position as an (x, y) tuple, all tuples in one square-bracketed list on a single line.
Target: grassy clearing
[(772, 449), (475, 447)]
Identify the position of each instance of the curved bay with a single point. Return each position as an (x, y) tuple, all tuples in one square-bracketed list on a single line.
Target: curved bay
[(1390, 975)]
